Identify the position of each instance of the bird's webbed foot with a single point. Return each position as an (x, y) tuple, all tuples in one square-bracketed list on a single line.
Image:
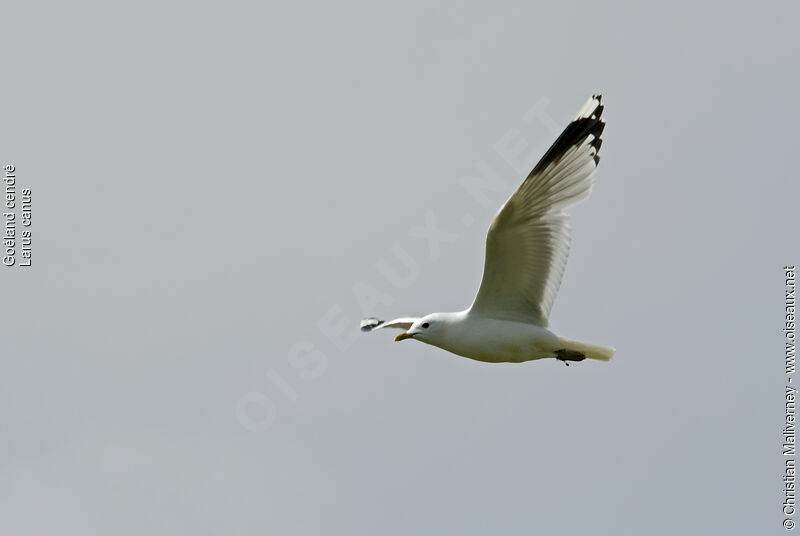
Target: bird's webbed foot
[(569, 355)]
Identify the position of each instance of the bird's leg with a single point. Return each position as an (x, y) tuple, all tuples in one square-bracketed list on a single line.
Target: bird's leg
[(569, 355)]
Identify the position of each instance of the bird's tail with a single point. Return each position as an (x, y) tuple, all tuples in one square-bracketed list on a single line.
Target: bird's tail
[(590, 351)]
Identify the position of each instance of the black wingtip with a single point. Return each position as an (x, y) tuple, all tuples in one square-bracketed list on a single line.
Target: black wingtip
[(590, 123), (368, 324), (598, 111), (597, 129)]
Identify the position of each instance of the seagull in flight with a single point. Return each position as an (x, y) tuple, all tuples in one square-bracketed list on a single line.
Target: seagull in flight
[(526, 252)]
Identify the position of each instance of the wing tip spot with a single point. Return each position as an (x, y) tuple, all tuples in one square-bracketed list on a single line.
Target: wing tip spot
[(368, 324)]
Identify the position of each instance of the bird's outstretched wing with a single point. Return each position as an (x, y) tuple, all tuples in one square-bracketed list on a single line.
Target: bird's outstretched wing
[(528, 241), (368, 324)]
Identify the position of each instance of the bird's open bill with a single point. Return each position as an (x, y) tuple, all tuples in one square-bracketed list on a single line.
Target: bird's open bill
[(403, 336)]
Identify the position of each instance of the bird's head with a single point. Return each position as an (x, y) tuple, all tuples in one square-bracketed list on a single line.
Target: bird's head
[(424, 329)]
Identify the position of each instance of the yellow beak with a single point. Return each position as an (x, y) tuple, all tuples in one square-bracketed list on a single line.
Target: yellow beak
[(403, 336)]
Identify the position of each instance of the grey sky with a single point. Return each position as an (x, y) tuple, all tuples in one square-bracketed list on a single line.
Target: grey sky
[(210, 183)]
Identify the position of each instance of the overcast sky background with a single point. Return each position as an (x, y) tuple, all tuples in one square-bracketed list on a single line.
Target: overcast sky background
[(215, 188)]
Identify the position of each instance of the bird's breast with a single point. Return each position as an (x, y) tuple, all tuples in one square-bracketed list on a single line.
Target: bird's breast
[(494, 341)]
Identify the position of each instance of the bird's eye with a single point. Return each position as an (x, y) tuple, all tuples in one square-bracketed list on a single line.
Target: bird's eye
[(425, 325)]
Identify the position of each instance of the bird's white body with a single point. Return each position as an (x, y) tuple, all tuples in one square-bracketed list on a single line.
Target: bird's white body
[(526, 251), (493, 340)]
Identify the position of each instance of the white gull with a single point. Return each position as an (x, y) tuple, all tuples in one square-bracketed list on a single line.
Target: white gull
[(526, 252)]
